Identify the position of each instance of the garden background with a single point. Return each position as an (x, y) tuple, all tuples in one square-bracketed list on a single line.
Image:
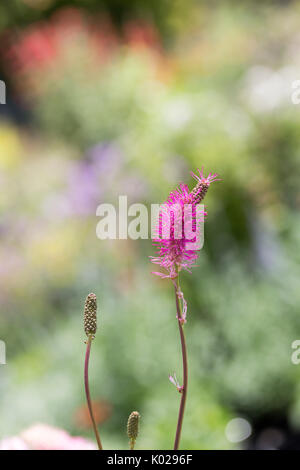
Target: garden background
[(126, 97)]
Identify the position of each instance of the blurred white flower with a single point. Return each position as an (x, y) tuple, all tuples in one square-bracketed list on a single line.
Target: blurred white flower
[(178, 112), (266, 89), (238, 429)]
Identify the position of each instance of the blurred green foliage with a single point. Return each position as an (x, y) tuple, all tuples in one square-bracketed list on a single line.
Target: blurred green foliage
[(135, 121)]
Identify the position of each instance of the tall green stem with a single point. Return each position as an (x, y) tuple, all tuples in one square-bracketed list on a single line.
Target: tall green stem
[(184, 366), (87, 390)]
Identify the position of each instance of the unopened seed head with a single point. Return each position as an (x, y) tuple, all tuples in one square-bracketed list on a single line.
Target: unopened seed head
[(90, 315), (199, 192), (133, 425)]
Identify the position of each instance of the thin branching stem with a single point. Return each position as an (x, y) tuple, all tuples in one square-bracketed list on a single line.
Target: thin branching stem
[(184, 366)]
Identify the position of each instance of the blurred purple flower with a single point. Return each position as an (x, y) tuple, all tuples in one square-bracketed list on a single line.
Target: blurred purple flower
[(100, 176), (106, 159), (92, 178), (83, 189)]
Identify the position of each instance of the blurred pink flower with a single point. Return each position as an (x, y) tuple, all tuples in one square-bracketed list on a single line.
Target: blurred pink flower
[(45, 437), (42, 45), (142, 34), (13, 443)]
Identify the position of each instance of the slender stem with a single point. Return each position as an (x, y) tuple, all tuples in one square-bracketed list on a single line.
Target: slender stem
[(87, 389), (132, 444), (185, 370)]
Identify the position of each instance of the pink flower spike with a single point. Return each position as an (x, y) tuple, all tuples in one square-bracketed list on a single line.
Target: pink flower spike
[(173, 231), (162, 275), (205, 180)]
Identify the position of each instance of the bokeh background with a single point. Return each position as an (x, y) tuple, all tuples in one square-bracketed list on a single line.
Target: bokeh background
[(126, 97)]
